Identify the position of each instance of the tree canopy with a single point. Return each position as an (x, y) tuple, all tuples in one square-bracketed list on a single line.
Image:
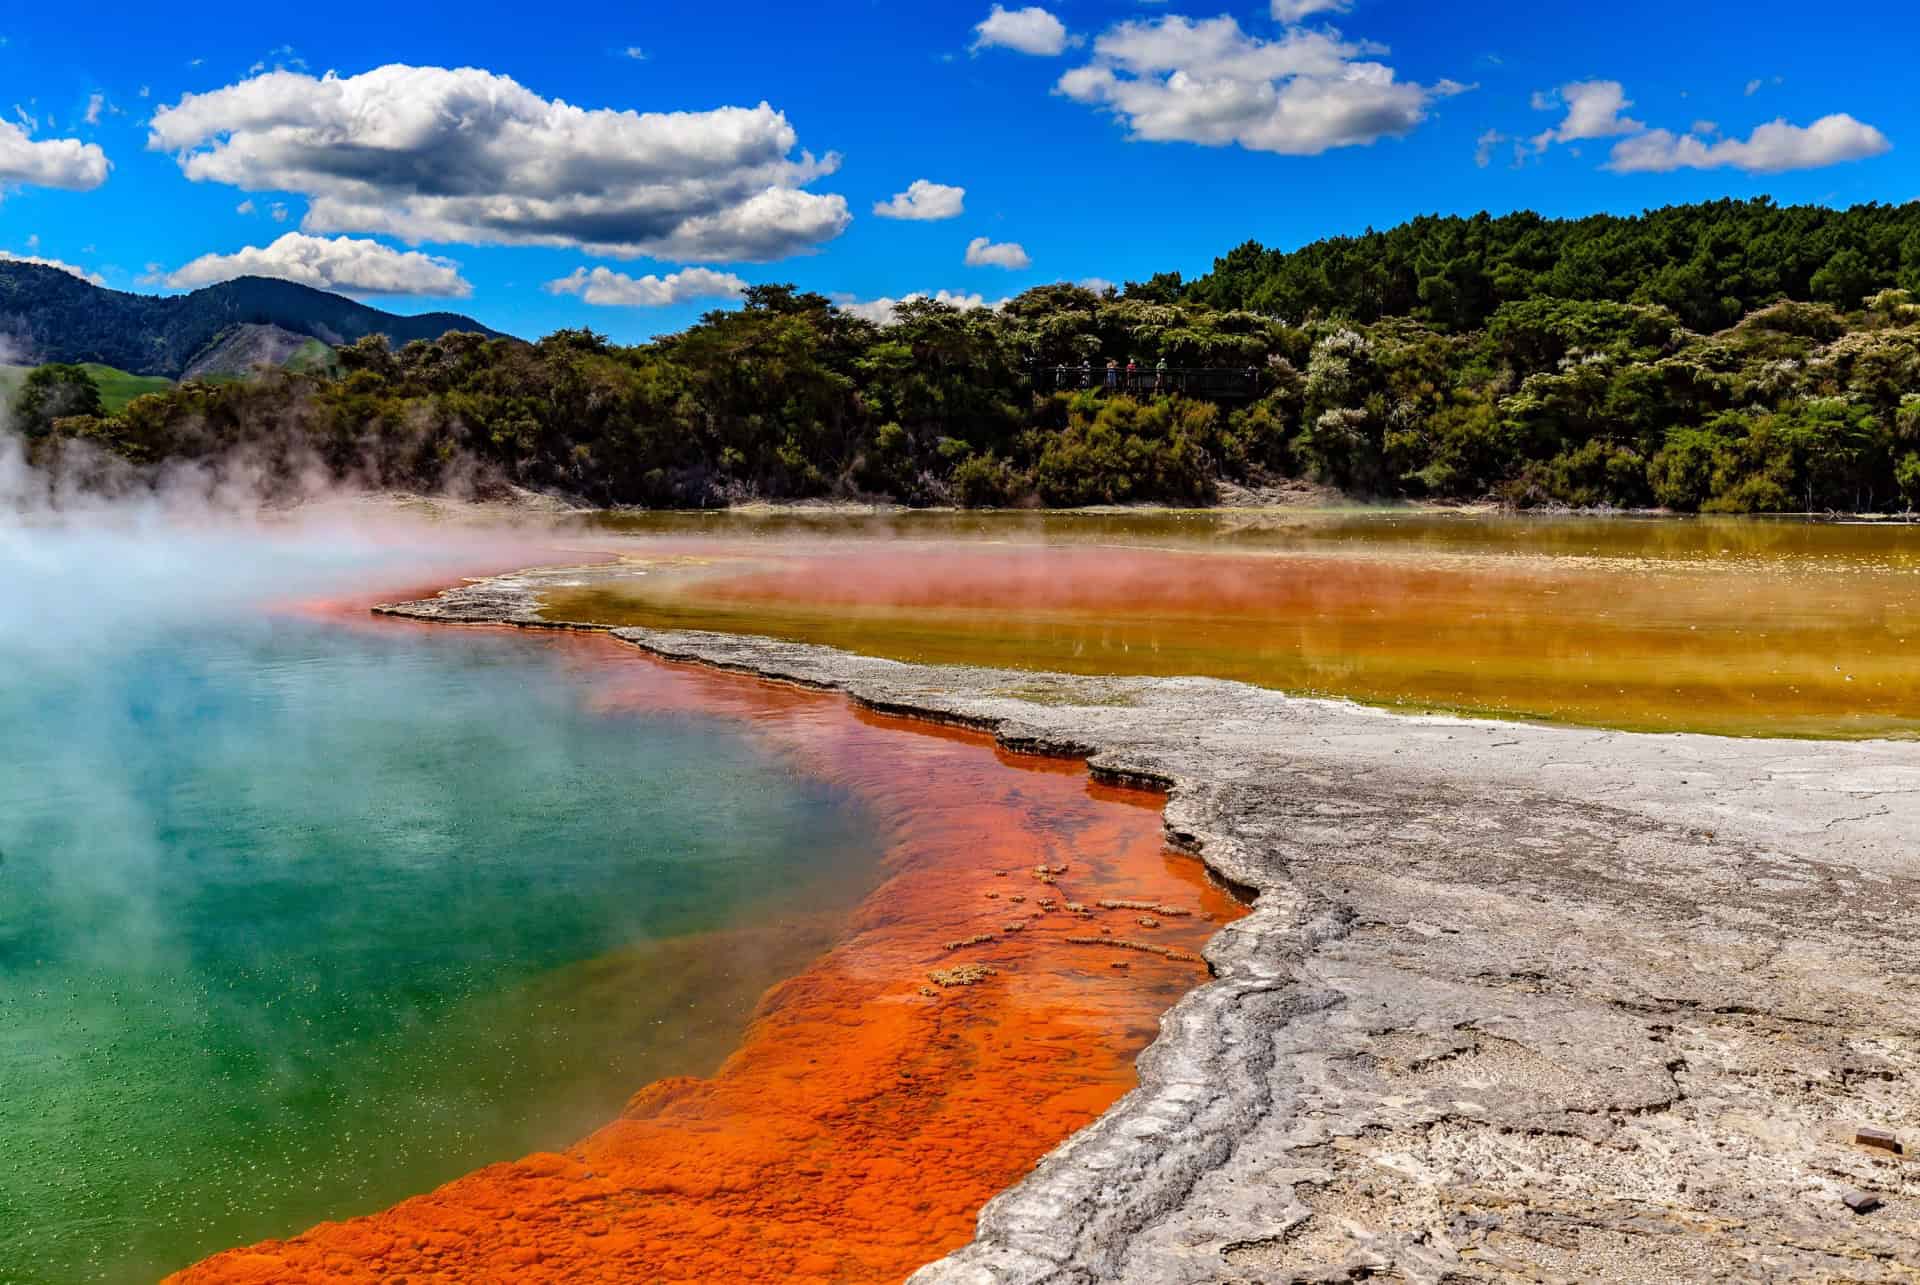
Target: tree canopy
[(53, 392), (1731, 356)]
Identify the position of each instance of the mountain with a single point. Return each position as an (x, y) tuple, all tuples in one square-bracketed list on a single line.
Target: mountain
[(50, 315)]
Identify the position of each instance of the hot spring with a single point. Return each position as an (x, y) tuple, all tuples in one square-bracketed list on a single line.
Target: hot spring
[(297, 919), (303, 913)]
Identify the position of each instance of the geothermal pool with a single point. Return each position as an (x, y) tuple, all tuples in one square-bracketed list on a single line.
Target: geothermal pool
[(296, 920), (304, 913), (1730, 626)]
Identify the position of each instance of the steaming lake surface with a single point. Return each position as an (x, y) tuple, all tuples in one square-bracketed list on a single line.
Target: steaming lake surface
[(1741, 627), (299, 918)]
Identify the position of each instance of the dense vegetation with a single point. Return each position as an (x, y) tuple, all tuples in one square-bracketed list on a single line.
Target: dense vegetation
[(54, 316), (1727, 357)]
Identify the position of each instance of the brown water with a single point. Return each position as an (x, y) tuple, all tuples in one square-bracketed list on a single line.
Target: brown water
[(1741, 627)]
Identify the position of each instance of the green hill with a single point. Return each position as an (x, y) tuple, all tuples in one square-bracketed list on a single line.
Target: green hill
[(117, 387), (53, 316)]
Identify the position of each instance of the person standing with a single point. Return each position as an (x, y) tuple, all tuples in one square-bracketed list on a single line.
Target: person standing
[(1086, 373), (1160, 376), (1133, 375), (1113, 375)]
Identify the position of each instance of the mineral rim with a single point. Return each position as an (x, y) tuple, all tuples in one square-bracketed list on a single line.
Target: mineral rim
[(1513, 1003)]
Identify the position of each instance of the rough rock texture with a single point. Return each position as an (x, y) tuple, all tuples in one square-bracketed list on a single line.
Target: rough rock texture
[(1515, 1003)]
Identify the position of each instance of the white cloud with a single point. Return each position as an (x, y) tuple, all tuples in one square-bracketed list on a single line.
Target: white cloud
[(1483, 147), (1174, 79), (884, 311), (55, 162), (1099, 285), (982, 253), (1753, 87), (1292, 11), (245, 207), (146, 91), (924, 200), (355, 265), (95, 104), (1031, 31), (1593, 111), (438, 154), (1770, 149), (7, 256), (278, 211), (1544, 100), (634, 52), (607, 288), (1703, 127)]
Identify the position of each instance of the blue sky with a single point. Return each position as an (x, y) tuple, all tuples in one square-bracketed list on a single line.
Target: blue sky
[(1157, 137)]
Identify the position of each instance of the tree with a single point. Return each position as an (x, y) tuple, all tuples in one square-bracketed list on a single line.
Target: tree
[(54, 392)]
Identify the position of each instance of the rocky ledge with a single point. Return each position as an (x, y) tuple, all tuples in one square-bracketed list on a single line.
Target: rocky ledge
[(1515, 1003)]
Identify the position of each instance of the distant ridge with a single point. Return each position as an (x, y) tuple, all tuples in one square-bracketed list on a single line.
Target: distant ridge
[(50, 315)]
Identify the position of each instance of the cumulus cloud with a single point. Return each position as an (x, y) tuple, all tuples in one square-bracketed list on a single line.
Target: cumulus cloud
[(55, 162), (607, 288), (464, 155), (1292, 11), (96, 103), (982, 253), (1771, 149), (245, 207), (1031, 31), (885, 311), (7, 256), (1177, 80), (924, 200), (1593, 111), (355, 265)]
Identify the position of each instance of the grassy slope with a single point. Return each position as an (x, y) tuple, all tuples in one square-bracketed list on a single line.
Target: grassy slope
[(117, 387)]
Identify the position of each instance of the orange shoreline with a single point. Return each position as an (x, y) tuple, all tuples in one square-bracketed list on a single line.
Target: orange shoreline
[(870, 1110)]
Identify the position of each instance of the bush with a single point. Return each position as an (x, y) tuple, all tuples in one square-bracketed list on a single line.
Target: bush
[(54, 392)]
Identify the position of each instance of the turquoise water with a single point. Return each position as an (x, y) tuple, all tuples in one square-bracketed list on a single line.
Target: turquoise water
[(297, 919)]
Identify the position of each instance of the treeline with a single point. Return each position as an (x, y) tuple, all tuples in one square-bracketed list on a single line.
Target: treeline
[(1517, 358), (1708, 264)]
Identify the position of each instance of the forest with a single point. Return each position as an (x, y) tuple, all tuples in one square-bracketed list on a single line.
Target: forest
[(1733, 356)]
